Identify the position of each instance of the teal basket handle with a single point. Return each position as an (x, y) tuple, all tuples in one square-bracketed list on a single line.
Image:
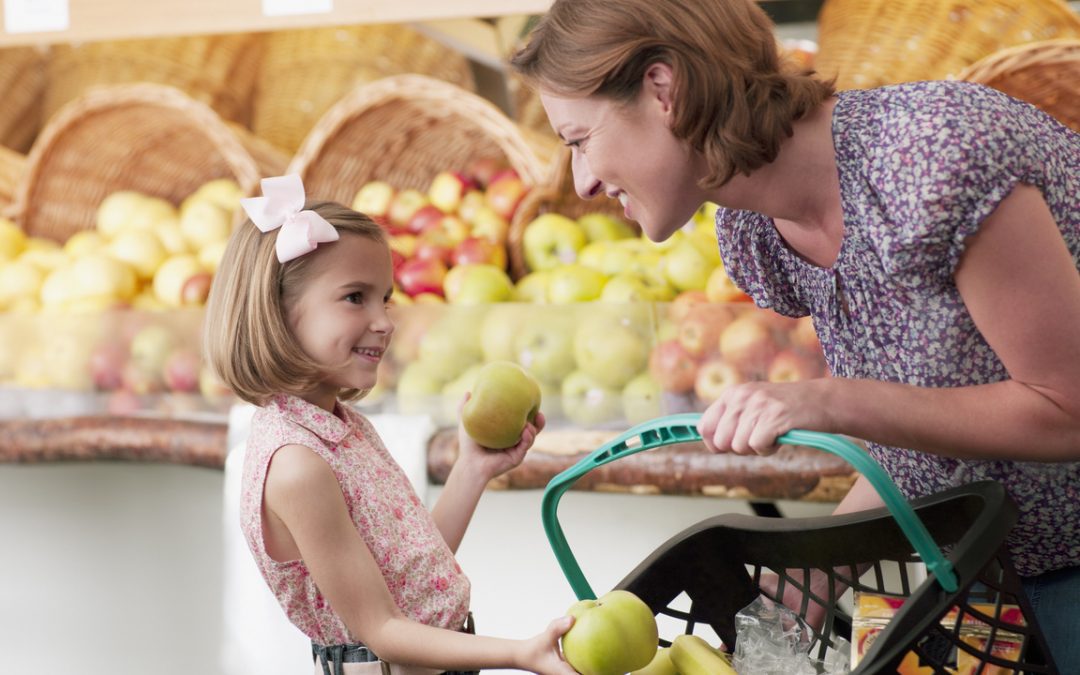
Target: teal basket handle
[(683, 428)]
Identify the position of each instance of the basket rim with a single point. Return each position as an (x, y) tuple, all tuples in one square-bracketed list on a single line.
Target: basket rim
[(1060, 50), (505, 132), (101, 99)]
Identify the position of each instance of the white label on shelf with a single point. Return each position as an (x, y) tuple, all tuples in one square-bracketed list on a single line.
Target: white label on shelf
[(294, 7), (35, 16)]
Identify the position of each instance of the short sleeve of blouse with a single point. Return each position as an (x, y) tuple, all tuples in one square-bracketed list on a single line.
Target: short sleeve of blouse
[(755, 259), (943, 158)]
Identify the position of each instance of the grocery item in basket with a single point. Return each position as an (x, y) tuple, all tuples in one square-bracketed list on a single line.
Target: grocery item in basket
[(612, 635), (694, 656), (504, 399), (873, 612)]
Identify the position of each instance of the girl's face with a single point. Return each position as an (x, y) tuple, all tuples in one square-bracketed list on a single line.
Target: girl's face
[(628, 152), (340, 317)]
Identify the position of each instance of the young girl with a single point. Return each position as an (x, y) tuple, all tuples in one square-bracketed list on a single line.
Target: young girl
[(297, 324)]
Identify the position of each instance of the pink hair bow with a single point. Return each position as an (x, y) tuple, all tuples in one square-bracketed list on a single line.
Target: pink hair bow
[(282, 205)]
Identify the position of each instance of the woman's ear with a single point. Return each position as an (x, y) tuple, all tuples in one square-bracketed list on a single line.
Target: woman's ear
[(657, 85)]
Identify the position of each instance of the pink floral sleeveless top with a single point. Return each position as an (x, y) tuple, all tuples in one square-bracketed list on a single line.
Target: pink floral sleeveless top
[(420, 570)]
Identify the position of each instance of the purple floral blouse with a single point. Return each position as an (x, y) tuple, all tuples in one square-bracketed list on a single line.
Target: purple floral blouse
[(921, 165)]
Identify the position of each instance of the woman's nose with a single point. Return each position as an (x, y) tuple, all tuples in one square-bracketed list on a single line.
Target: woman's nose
[(585, 183)]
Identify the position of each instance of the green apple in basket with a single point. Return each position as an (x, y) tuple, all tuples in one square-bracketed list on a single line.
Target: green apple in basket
[(504, 398), (612, 635)]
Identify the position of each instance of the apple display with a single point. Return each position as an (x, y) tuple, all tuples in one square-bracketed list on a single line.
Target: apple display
[(488, 224), (374, 198), (447, 190), (455, 229), (747, 343), (142, 249), (418, 276), (477, 284), (609, 351), (574, 283), (404, 206), (404, 244), (545, 347), (434, 245), (612, 635), (713, 377), (603, 227), (452, 344), (471, 203), (479, 250), (588, 402), (791, 366), (627, 288), (681, 304), (203, 223), (672, 367), (498, 330), (533, 287), (699, 331), (423, 218), (686, 267), (642, 399), (551, 240), (171, 276), (504, 398)]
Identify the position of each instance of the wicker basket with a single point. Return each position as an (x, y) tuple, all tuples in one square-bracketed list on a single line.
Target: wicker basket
[(218, 70), (144, 137), (1045, 74), (22, 79), (867, 43), (556, 195), (12, 167), (404, 130), (305, 72)]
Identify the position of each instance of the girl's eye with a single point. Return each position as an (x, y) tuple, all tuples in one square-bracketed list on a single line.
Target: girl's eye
[(576, 143), (355, 298)]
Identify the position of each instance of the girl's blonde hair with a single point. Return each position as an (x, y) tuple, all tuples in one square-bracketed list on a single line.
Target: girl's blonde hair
[(734, 97), (247, 340)]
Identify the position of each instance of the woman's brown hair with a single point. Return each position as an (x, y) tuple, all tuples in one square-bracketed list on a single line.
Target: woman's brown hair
[(247, 341), (734, 96)]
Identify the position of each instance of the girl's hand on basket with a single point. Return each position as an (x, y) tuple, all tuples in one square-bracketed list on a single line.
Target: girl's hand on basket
[(491, 463), (541, 654), (748, 418)]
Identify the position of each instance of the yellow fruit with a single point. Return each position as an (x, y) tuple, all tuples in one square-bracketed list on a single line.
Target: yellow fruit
[(139, 248), (211, 254), (45, 259), (172, 238), (129, 210), (98, 274), (504, 399), (84, 242), (693, 656), (204, 223), (19, 279), (224, 193), (171, 276), (660, 665), (12, 240)]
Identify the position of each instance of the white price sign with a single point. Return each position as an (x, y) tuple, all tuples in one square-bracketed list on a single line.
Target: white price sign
[(294, 7), (35, 16)]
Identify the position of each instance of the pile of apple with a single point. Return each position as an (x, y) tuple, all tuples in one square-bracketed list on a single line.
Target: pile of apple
[(600, 258), (449, 242), (144, 253)]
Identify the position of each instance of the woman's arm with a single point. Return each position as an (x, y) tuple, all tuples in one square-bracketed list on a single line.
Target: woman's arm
[(1021, 285), (304, 494)]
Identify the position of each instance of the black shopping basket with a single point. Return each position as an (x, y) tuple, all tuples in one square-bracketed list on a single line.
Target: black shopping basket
[(957, 536)]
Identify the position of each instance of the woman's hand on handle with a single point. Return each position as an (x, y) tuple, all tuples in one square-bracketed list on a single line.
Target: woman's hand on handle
[(748, 418)]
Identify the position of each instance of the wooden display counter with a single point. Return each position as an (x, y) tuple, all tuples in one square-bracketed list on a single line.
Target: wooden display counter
[(684, 469)]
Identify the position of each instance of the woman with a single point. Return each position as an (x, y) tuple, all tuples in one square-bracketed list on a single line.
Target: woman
[(932, 231)]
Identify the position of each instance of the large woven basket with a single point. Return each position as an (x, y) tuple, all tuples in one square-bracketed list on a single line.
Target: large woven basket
[(305, 72), (12, 168), (557, 195), (22, 79), (149, 138), (218, 70), (1045, 74), (868, 43), (404, 130)]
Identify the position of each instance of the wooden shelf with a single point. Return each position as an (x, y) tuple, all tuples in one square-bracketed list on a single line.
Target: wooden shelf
[(89, 20)]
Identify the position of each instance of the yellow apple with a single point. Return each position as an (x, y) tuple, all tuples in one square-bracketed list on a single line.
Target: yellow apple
[(642, 399), (610, 351), (210, 256), (551, 240), (204, 223), (533, 287), (504, 398), (588, 402), (172, 237), (225, 193), (139, 248), (574, 283), (686, 267), (171, 276), (12, 240), (611, 635), (18, 279), (604, 227), (99, 274), (81, 243), (474, 284)]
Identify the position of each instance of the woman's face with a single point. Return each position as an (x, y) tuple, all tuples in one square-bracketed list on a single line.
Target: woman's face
[(627, 152)]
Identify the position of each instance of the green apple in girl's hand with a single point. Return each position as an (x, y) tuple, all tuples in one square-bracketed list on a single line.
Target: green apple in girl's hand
[(611, 635), (503, 400)]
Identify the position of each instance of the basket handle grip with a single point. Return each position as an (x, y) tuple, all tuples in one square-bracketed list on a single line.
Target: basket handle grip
[(682, 428)]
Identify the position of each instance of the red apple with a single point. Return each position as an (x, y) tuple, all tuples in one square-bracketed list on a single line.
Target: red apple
[(196, 289), (479, 250), (434, 244), (747, 343), (404, 206), (713, 377), (505, 193), (374, 198), (699, 331), (672, 368), (791, 366), (681, 304), (452, 226), (424, 217), (181, 371), (483, 169), (107, 366), (396, 258), (447, 189), (490, 225), (418, 276)]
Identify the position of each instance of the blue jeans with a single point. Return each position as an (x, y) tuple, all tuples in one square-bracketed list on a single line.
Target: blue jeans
[(1055, 597)]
